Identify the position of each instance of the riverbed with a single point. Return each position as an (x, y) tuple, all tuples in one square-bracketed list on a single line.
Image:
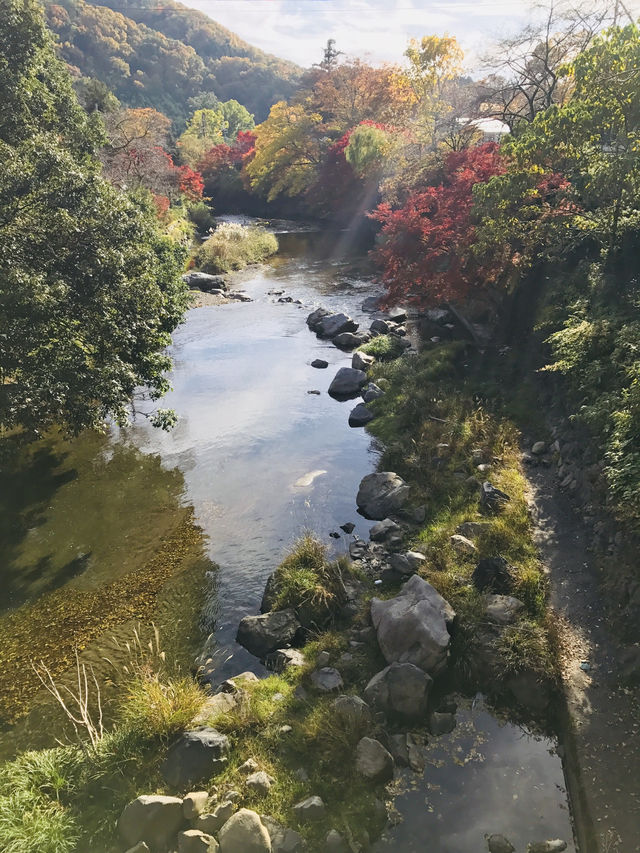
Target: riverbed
[(255, 460)]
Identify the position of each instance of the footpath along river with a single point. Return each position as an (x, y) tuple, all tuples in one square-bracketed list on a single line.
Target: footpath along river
[(259, 460)]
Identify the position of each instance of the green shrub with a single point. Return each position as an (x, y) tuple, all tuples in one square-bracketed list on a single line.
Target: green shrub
[(384, 347), (200, 214), (29, 824), (233, 247)]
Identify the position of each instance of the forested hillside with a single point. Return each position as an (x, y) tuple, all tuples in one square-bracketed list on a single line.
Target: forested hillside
[(161, 59)]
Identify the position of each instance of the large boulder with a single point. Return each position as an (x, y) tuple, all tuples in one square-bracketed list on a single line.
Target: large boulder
[(401, 689), (204, 281), (268, 632), (412, 627), (335, 324), (315, 317), (195, 757), (152, 819), (381, 494), (244, 833), (347, 383), (350, 340), (373, 761)]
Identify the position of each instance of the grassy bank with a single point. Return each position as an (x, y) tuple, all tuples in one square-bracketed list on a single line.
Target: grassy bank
[(233, 247)]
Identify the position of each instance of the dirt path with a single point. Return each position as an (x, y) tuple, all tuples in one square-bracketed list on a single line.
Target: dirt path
[(602, 746)]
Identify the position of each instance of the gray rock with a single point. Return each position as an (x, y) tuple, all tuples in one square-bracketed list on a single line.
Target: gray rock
[(556, 846), (472, 529), (397, 315), (415, 749), (268, 632), (315, 317), (383, 529), (441, 724), (412, 627), (141, 847), (249, 766), (372, 392), (462, 545), (350, 340), (358, 549), (348, 528), (491, 497), (244, 833), (381, 494), (362, 360), (195, 756), (320, 363), (334, 324), (352, 711), (371, 303), (219, 703), (260, 783), (204, 281), (347, 383), (399, 749), (310, 810), (373, 761), (380, 327), (499, 844), (239, 296), (407, 563), (323, 659), (194, 804), (152, 819), (401, 689), (503, 609), (279, 660), (326, 680), (234, 684), (335, 843), (360, 416), (194, 841), (283, 839), (539, 448), (400, 331), (211, 823)]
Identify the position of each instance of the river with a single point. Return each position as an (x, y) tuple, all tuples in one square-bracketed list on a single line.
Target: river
[(257, 459)]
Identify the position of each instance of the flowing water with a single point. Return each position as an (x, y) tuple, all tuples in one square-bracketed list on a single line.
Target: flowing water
[(87, 527)]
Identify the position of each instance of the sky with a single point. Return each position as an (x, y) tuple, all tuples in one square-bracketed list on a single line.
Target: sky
[(376, 30)]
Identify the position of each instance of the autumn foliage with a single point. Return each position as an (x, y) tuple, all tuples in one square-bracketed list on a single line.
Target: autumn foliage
[(426, 255)]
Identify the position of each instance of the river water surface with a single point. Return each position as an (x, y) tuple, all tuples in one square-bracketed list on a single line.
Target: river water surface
[(258, 459)]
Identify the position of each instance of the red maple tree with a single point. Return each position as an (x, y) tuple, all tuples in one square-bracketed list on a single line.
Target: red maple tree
[(426, 255)]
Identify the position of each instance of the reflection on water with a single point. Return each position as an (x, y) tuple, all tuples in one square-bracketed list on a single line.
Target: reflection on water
[(487, 777)]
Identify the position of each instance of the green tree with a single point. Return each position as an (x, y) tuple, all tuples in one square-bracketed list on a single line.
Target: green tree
[(89, 287), (237, 119), (204, 130), (367, 150)]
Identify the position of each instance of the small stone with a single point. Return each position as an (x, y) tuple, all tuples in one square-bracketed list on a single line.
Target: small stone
[(503, 609), (285, 730), (283, 839), (499, 844), (373, 761), (249, 766), (310, 810), (352, 711), (556, 846), (462, 545), (320, 363), (326, 680), (471, 529), (317, 393), (484, 468), (323, 659), (539, 448), (361, 360), (279, 660), (441, 724), (194, 804), (348, 528), (211, 823), (233, 796), (260, 783), (372, 392), (301, 774), (194, 841), (214, 706), (335, 843)]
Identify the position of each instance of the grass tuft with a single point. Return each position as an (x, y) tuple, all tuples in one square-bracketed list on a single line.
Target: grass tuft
[(233, 247)]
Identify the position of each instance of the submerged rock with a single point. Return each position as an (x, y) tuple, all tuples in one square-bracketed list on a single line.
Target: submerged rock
[(381, 494), (499, 844), (412, 627), (268, 632), (441, 723), (556, 846), (320, 363)]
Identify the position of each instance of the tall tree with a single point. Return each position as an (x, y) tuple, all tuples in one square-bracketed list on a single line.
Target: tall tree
[(89, 287)]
